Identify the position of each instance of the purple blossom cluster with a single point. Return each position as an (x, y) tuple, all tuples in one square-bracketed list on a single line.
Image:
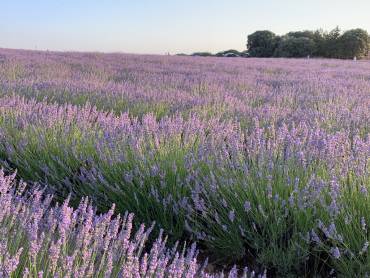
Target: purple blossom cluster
[(43, 240)]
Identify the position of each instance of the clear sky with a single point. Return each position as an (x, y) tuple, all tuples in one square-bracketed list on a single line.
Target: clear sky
[(160, 26)]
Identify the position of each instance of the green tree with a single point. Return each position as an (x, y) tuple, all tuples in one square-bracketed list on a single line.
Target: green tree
[(331, 46), (354, 43), (295, 47), (319, 39), (262, 44)]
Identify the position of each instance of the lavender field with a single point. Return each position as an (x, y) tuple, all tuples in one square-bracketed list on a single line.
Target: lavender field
[(218, 167)]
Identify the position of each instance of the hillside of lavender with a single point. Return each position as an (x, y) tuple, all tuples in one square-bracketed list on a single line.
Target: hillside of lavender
[(118, 165)]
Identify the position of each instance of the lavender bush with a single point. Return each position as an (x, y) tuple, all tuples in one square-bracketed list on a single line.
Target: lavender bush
[(41, 240), (255, 160)]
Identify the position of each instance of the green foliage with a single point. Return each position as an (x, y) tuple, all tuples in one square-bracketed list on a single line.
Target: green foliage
[(333, 44), (229, 53), (318, 38), (262, 44), (202, 54), (274, 224), (302, 34), (295, 47), (354, 43), (331, 47)]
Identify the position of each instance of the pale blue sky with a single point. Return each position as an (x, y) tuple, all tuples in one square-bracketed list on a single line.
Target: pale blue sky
[(160, 26)]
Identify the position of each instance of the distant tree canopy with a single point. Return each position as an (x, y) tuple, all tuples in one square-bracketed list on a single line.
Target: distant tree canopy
[(354, 42), (202, 54), (231, 53), (262, 44), (295, 47), (333, 44)]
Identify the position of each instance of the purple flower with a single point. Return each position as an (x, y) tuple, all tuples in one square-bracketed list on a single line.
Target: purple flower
[(232, 215), (247, 206), (363, 190), (364, 248), (334, 251), (363, 223)]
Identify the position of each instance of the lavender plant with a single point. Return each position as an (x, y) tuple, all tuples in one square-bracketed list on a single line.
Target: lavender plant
[(42, 240)]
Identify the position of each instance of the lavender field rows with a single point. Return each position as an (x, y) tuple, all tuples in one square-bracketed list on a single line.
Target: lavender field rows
[(262, 163)]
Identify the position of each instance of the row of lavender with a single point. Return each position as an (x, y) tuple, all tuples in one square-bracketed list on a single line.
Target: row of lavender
[(329, 92), (292, 197), (41, 240)]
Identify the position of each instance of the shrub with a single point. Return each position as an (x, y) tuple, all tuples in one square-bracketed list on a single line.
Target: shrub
[(40, 240)]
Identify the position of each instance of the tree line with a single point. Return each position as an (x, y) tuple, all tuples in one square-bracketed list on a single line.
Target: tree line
[(319, 43), (333, 44)]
